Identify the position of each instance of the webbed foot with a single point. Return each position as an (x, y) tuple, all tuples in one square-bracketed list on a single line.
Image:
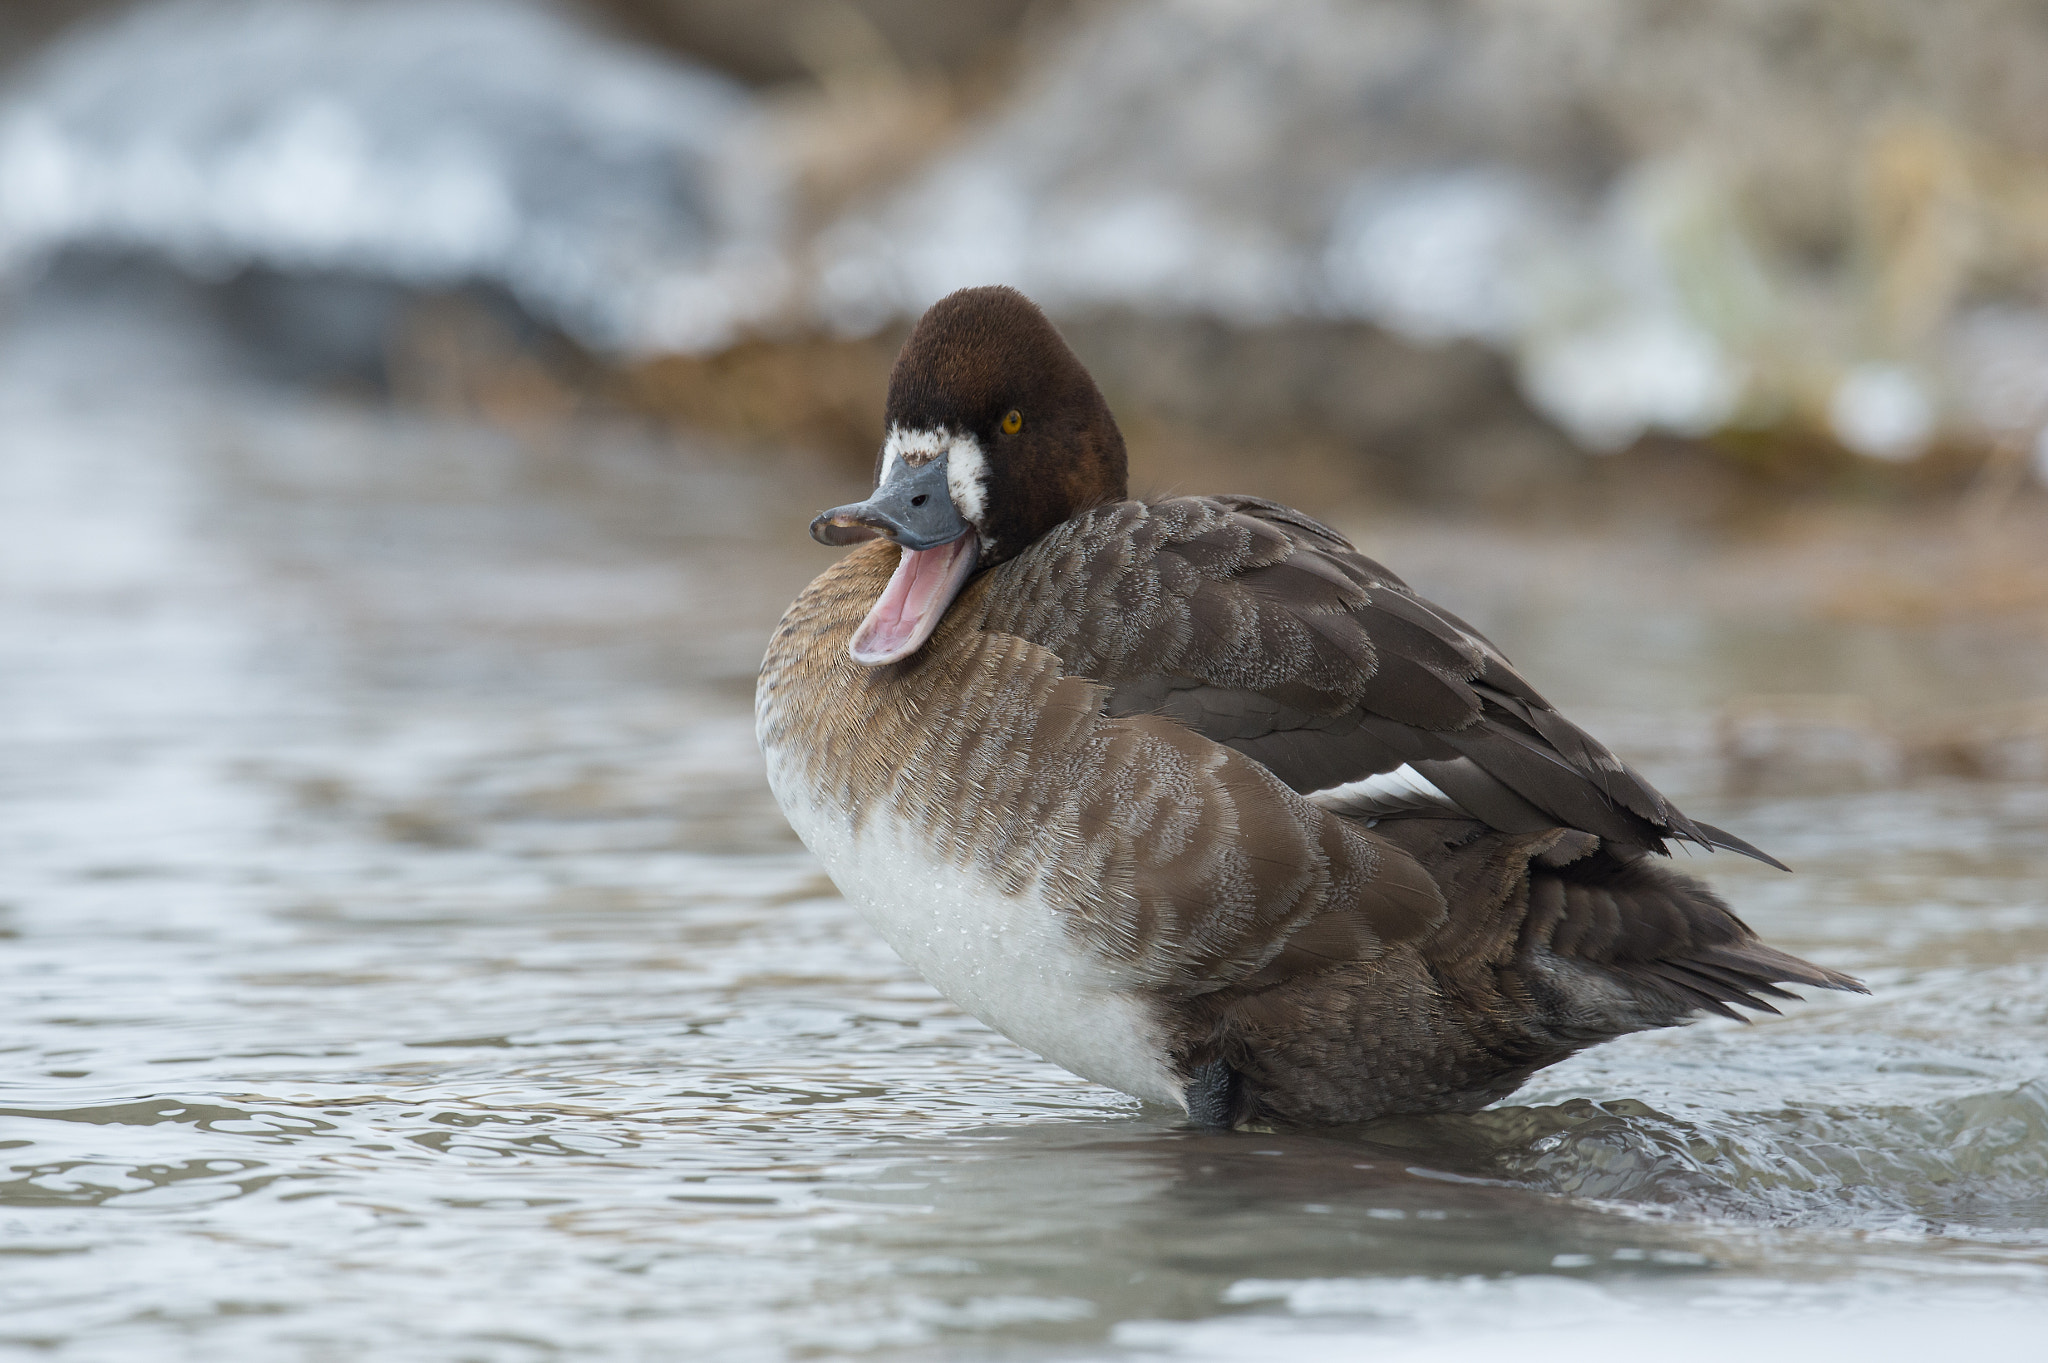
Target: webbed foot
[(1212, 1096)]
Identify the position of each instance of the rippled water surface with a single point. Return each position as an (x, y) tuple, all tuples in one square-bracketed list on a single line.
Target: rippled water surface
[(403, 960)]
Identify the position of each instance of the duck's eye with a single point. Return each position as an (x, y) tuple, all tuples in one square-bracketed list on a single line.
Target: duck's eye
[(1013, 422)]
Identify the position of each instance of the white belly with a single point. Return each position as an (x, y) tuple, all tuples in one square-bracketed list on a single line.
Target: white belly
[(1007, 959)]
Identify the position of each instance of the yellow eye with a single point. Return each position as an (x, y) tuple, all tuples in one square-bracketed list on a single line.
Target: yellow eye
[(1013, 423)]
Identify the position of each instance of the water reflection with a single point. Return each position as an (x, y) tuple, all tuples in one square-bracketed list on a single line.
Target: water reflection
[(404, 959)]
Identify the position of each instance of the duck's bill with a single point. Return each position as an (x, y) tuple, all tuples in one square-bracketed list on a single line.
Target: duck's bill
[(913, 506), (911, 606)]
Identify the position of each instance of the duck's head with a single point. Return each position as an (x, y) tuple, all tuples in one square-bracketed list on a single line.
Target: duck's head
[(995, 434)]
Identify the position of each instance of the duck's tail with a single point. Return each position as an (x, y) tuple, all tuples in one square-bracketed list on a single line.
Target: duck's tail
[(1620, 918), (1587, 940)]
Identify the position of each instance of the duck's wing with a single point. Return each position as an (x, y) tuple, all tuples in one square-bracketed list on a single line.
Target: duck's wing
[(1262, 630), (1180, 866)]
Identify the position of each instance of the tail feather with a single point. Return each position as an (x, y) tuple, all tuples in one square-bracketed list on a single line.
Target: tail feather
[(1728, 842), (1667, 939), (1588, 939), (1549, 941), (1711, 990), (1770, 966)]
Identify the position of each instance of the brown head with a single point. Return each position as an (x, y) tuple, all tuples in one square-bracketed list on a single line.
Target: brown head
[(995, 434)]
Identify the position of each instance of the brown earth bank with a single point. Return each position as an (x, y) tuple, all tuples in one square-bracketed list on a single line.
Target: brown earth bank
[(1332, 412)]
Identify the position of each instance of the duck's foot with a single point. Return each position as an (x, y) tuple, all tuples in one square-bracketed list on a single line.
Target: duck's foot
[(1212, 1096)]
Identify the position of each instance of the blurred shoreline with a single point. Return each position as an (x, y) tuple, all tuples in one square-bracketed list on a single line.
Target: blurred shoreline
[(1274, 247)]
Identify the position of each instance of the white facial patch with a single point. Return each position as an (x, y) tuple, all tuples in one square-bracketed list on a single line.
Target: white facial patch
[(966, 470), (912, 449), (967, 479)]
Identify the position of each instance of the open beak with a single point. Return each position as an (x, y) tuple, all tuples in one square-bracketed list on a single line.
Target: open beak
[(914, 508)]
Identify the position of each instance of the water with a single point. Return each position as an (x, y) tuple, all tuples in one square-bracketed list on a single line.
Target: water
[(403, 959)]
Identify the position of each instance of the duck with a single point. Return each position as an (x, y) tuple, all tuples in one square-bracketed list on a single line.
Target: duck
[(1193, 799)]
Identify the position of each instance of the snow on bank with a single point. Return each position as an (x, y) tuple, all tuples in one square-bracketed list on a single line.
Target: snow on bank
[(1573, 186), (433, 142)]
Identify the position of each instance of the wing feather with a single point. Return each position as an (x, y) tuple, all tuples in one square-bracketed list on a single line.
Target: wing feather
[(1263, 630)]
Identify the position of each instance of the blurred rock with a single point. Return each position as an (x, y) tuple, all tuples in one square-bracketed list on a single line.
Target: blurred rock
[(470, 351), (430, 143), (816, 392)]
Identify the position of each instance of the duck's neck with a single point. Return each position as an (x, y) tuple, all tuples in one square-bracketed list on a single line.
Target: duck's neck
[(857, 735)]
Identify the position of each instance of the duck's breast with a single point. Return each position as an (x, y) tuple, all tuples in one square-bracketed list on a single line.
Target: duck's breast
[(931, 791), (1004, 956)]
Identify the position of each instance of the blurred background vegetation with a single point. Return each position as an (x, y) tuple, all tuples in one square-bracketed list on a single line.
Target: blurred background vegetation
[(1711, 259)]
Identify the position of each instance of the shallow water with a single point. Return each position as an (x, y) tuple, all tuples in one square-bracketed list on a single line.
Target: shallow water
[(403, 960)]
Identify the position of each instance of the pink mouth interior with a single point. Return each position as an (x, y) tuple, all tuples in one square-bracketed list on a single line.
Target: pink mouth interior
[(911, 606)]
